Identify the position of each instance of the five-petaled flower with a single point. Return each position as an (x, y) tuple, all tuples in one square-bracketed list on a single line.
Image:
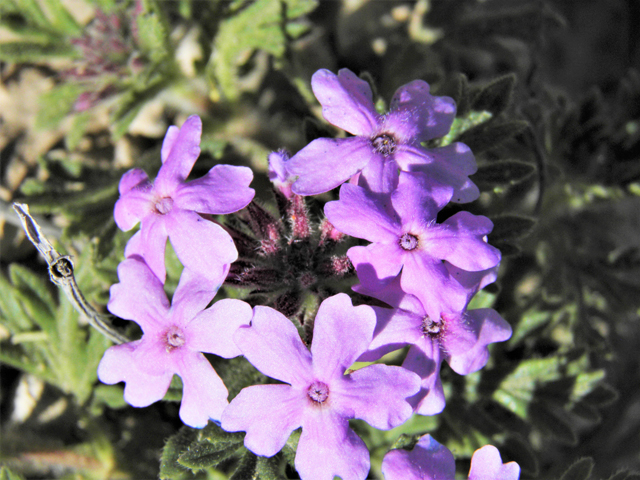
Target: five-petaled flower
[(430, 460), (415, 117), (406, 237), (318, 396), (460, 338), (174, 335), (170, 207)]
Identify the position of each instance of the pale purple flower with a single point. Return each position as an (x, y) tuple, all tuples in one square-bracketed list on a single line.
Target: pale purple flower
[(170, 207), (430, 460), (405, 236), (415, 117), (460, 338), (174, 335), (317, 396)]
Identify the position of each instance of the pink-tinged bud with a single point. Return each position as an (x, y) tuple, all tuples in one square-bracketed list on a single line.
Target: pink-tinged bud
[(299, 218), (340, 266), (263, 224), (329, 233), (278, 172)]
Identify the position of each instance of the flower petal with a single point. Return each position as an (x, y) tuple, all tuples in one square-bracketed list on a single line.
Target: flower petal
[(376, 264), (201, 245), (424, 358), (346, 101), (183, 153), (418, 199), (141, 389), (428, 460), (459, 241), (212, 330), (486, 464), (133, 178), (133, 205), (449, 165), (168, 142), (378, 395), (272, 344), (341, 333), (139, 296), (395, 328), (488, 327), (363, 215), (329, 448), (150, 244), (326, 163), (416, 114), (191, 297), (268, 413), (204, 396), (429, 280), (224, 189)]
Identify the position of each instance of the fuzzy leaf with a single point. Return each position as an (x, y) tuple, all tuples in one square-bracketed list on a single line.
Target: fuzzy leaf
[(256, 27), (495, 97), (56, 104), (530, 321), (491, 134), (602, 395), (170, 469), (504, 172), (202, 454), (548, 420), (580, 470), (510, 227), (153, 36), (21, 52), (462, 124)]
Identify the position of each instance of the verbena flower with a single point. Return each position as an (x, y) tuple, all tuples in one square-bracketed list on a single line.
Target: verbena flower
[(318, 396), (278, 172), (460, 338), (170, 207), (174, 335), (430, 460), (415, 117), (405, 236)]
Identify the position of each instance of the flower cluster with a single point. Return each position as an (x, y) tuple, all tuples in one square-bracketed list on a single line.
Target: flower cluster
[(426, 272)]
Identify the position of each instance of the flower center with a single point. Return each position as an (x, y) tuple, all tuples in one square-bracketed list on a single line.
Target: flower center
[(164, 205), (408, 241), (175, 338), (318, 392), (384, 144), (433, 328)]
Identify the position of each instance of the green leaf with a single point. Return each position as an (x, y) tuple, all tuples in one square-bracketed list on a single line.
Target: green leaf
[(36, 299), (259, 26), (503, 172), (496, 96), (580, 470), (510, 227), (7, 474), (153, 36), (56, 104), (61, 20), (602, 395), (462, 124), (21, 52), (516, 390), (555, 424), (246, 468), (531, 320), (170, 469), (201, 455), (491, 134)]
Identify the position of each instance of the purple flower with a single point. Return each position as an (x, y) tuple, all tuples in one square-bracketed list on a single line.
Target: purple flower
[(459, 338), (173, 337), (415, 117), (170, 207), (319, 397), (430, 460), (405, 237)]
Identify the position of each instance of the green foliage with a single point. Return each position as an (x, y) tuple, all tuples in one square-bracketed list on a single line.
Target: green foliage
[(261, 25), (580, 470), (47, 339), (8, 474)]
